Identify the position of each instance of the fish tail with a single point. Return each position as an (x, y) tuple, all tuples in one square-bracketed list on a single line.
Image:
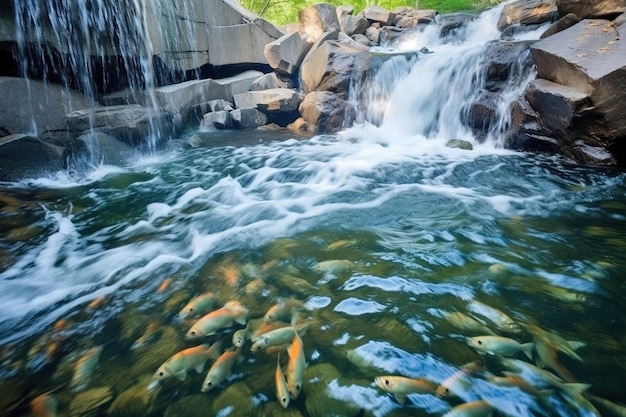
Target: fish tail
[(527, 348)]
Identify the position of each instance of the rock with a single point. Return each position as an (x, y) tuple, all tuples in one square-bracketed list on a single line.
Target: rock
[(236, 398), (373, 34), (327, 112), (274, 409), (317, 19), (584, 9), (527, 12), (179, 99), (563, 23), (482, 115), (321, 403), (269, 101), (450, 23), (90, 403), (285, 54), (190, 406), (220, 105), (93, 149), (377, 14), (38, 108), (25, 156), (593, 64), (503, 60), (136, 401), (408, 18), (361, 40), (248, 118), (460, 144), (353, 25), (219, 120), (130, 123), (333, 66), (300, 125), (344, 10), (272, 80)]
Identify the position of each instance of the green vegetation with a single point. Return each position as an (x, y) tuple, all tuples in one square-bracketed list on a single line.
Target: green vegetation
[(281, 12)]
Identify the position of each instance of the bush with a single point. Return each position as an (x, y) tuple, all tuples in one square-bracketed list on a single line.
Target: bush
[(281, 12)]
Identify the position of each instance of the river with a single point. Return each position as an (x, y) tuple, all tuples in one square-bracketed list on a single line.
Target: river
[(398, 249)]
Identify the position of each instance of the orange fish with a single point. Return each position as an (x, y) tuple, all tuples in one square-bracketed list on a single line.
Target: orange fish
[(295, 366)]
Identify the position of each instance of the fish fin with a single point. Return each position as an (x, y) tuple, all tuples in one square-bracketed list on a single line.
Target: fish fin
[(527, 348), (544, 394), (200, 367), (575, 345), (575, 388), (182, 375), (401, 398), (539, 362), (243, 320)]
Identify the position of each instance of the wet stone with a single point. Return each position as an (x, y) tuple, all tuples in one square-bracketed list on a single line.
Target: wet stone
[(235, 400), (197, 405), (274, 409), (135, 401), (319, 404), (91, 402)]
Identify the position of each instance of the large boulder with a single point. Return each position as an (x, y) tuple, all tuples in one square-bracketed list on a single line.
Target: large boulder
[(379, 15), (37, 107), (25, 156), (285, 54), (592, 8), (94, 149), (327, 112), (353, 25), (317, 19), (591, 109), (528, 12), (333, 66), (130, 123)]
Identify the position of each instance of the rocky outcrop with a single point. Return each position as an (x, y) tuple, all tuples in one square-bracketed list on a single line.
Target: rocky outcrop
[(285, 54), (24, 156), (327, 111), (528, 12), (318, 19), (585, 9), (577, 100)]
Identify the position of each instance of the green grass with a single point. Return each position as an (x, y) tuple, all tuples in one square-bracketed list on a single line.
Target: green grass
[(281, 12)]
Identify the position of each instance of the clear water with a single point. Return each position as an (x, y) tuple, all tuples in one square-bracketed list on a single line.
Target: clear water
[(380, 231)]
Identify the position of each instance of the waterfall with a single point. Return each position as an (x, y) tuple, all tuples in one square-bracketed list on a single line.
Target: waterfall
[(429, 85)]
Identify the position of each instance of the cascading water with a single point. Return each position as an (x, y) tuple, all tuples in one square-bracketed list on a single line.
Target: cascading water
[(427, 88), (394, 249)]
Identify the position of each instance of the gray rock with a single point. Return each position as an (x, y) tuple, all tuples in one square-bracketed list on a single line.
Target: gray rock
[(327, 112), (361, 40), (96, 148), (527, 12), (373, 34), (378, 14), (285, 54), (593, 64), (353, 25), (272, 80), (407, 17), (269, 101), (344, 10), (220, 120), (248, 118), (38, 108), (592, 8), (221, 105), (130, 123), (503, 60), (333, 66), (460, 144), (24, 156), (563, 23), (317, 19)]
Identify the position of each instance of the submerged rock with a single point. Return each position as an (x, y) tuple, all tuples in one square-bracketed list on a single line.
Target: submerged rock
[(190, 406), (25, 156), (460, 144), (90, 403), (235, 400)]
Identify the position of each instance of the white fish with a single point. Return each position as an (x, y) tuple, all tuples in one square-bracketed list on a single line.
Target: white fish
[(231, 313), (198, 306), (499, 345), (84, 367), (479, 408), (498, 318), (466, 322), (401, 386)]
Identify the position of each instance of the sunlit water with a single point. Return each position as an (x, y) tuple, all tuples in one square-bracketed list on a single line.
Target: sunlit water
[(381, 233)]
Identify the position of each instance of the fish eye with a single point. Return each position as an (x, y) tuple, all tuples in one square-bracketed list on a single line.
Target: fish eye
[(298, 387), (161, 373), (284, 399), (386, 382), (480, 342), (193, 332), (447, 390)]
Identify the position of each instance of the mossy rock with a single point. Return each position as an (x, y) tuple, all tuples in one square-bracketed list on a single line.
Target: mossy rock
[(135, 401), (150, 357), (90, 403), (274, 409), (196, 405), (459, 144), (237, 399)]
